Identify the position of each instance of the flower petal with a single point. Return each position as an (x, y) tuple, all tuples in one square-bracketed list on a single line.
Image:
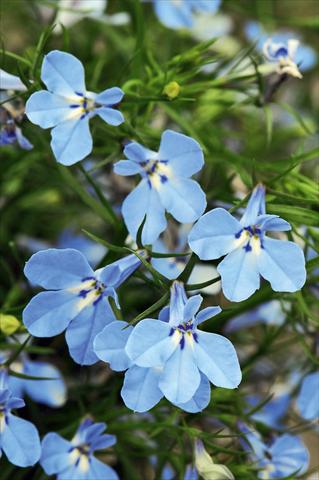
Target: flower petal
[(191, 307), (184, 154), (47, 109), (255, 206), (55, 455), (183, 198), (83, 329), (272, 223), (100, 470), (289, 454), (180, 378), (201, 398), (174, 16), (206, 313), (71, 140), (49, 392), (63, 73), (149, 344), (127, 168), (109, 345), (137, 153), (214, 234), (17, 437), (57, 268), (308, 398), (216, 357), (49, 313), (240, 275), (282, 263), (110, 115), (140, 390), (110, 96)]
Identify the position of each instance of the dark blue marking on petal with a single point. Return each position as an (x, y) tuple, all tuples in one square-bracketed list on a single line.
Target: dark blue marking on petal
[(172, 330), (182, 342), (149, 183), (247, 247), (79, 93), (163, 178), (237, 235), (83, 116), (195, 336), (74, 105), (85, 279), (83, 293), (163, 161), (99, 298), (281, 52)]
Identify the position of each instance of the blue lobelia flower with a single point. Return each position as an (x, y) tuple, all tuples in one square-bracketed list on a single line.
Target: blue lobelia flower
[(279, 459), (141, 390), (74, 459), (68, 106), (184, 353), (272, 413), (179, 13), (19, 439), (308, 398), (249, 252), (269, 313), (165, 184), (77, 300), (11, 134)]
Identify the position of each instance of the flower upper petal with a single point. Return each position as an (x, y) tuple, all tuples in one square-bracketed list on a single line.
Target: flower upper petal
[(240, 274), (109, 345), (282, 263), (71, 140), (255, 206), (127, 168), (47, 109), (140, 390), (184, 154), (214, 234), (55, 455), (57, 268), (206, 313), (308, 398), (110, 115), (48, 392), (110, 96), (137, 153), (191, 307), (150, 345), (63, 73), (216, 357)]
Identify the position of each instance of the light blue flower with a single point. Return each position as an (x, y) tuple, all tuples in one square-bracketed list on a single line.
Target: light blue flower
[(67, 107), (11, 134), (304, 56), (308, 398), (269, 313), (140, 390), (183, 354), (11, 82), (272, 413), (281, 458), (249, 252), (179, 13), (165, 184), (74, 459), (77, 300), (19, 439)]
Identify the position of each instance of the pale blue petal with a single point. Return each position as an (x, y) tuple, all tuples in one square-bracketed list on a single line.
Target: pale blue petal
[(140, 390), (201, 398), (49, 313), (191, 473), (47, 109), (214, 234), (103, 441), (177, 303), (240, 275), (255, 206), (110, 96), (127, 266), (289, 454), (109, 275), (216, 357), (22, 140), (99, 470), (271, 413), (127, 168), (282, 263), (63, 73), (180, 378), (20, 441), (207, 313), (272, 223), (308, 398), (82, 331), (137, 153), (71, 141), (150, 345), (183, 198), (55, 455), (164, 314), (48, 392), (57, 268), (210, 6), (110, 115), (184, 154), (11, 82), (191, 307), (173, 16), (109, 345)]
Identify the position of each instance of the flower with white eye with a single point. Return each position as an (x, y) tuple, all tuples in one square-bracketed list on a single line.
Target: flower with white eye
[(283, 53)]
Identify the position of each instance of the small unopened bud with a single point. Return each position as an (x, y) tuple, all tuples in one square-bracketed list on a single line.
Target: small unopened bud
[(207, 468), (9, 324), (172, 90)]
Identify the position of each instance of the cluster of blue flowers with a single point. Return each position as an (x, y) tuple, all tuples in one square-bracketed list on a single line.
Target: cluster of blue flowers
[(170, 356)]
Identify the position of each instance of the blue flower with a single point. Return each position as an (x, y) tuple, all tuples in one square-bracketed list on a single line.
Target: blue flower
[(19, 439), (77, 300), (308, 398), (11, 82), (165, 184), (283, 45), (281, 458), (11, 134), (269, 313), (179, 14), (272, 413), (183, 357), (249, 252), (74, 459), (67, 106)]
